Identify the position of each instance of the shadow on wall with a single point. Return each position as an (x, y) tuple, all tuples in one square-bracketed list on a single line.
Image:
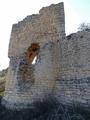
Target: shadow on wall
[(25, 75)]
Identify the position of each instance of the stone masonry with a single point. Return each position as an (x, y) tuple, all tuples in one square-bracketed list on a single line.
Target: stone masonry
[(73, 83), (62, 66)]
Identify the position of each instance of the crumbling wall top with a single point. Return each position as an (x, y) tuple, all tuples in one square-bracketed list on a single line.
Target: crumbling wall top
[(41, 28)]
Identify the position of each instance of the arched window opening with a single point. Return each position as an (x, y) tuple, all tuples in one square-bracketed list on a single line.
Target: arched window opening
[(32, 53), (34, 60)]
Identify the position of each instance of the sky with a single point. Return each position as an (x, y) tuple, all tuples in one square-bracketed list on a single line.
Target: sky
[(12, 11)]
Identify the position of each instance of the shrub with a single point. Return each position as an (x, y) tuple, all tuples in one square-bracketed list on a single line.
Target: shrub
[(84, 27), (48, 109)]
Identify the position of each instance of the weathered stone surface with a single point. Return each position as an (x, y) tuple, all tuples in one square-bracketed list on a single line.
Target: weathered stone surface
[(62, 67), (73, 83), (46, 26), (26, 82)]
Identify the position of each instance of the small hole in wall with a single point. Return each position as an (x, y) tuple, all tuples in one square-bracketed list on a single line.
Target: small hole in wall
[(32, 53)]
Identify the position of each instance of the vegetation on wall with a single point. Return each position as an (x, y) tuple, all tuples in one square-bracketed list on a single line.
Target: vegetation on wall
[(2, 80), (84, 27)]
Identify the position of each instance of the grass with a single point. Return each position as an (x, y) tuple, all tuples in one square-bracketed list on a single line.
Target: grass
[(2, 77)]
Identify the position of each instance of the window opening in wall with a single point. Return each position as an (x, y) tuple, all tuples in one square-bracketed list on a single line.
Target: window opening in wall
[(34, 60), (32, 53)]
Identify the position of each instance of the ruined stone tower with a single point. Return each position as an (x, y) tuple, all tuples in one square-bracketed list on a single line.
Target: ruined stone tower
[(62, 66), (37, 36)]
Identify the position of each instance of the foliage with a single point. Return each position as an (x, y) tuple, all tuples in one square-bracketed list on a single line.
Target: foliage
[(2, 85), (2, 81), (3, 73), (84, 27), (48, 109)]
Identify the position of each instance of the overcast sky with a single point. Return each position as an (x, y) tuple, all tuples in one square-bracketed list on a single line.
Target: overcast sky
[(12, 11)]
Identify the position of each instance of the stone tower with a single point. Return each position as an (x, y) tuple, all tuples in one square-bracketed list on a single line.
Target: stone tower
[(39, 37)]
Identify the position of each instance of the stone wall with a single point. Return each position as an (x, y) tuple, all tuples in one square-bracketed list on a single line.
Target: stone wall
[(40, 28), (73, 84), (75, 55), (62, 67), (27, 83)]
